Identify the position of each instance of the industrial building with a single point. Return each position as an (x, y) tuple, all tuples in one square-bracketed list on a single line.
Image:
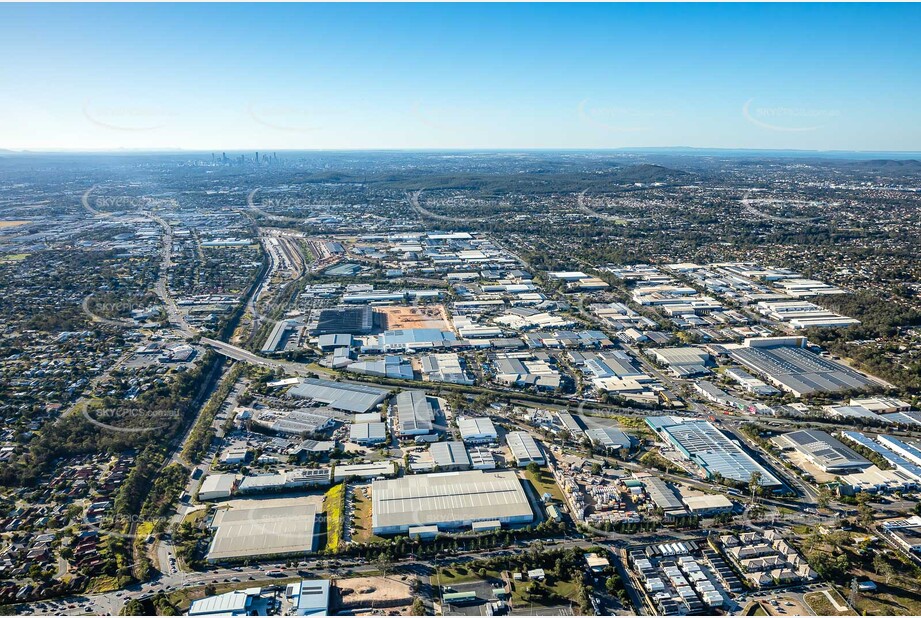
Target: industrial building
[(526, 370), (707, 505), (415, 414), (448, 500), (248, 602), (364, 471), (308, 597), (882, 405), (413, 339), (338, 395), (795, 369), (446, 367), (824, 451), (368, 433), (612, 363), (294, 479), (449, 455), (750, 383), (570, 423), (902, 464), (481, 458), (664, 497), (909, 451), (217, 487), (905, 533), (854, 411), (683, 362), (709, 448), (263, 528), (610, 438), (477, 430), (394, 367), (280, 336), (524, 448), (299, 422), (331, 342), (802, 314), (875, 480), (345, 320)]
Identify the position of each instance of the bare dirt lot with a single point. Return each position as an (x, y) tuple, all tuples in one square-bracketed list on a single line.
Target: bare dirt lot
[(369, 592), (428, 316), (787, 606)]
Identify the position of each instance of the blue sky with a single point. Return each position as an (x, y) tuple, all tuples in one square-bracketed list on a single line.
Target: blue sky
[(284, 76)]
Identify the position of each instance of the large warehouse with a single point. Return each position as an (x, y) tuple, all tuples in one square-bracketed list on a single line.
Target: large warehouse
[(346, 397), (796, 369), (415, 414), (448, 500), (345, 320), (525, 448), (263, 528), (683, 362), (708, 447), (827, 453), (477, 430), (610, 438)]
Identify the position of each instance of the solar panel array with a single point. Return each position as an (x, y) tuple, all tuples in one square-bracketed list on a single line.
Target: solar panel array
[(827, 452), (801, 371), (717, 454)]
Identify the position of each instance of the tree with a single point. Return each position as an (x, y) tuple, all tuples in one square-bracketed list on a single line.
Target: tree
[(133, 608), (612, 585), (865, 513), (383, 563), (754, 484), (534, 469), (883, 567), (418, 607), (823, 498)]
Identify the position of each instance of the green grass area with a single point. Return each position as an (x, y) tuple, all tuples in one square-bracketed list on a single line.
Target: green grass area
[(107, 583), (14, 257), (333, 503), (900, 597), (195, 517), (564, 589), (632, 422), (822, 606), (544, 483), (462, 575)]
